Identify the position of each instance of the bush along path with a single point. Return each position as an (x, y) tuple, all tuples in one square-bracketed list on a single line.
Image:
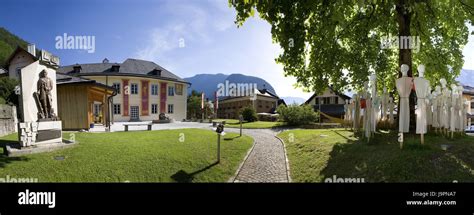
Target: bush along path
[(267, 160)]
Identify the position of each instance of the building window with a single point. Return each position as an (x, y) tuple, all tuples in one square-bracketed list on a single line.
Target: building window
[(170, 91), (117, 87), (336, 99), (18, 71), (179, 89), (170, 108), (117, 109), (316, 101), (154, 89), (326, 100), (154, 109), (134, 89)]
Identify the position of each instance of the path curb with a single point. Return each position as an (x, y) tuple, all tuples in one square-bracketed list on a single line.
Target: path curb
[(232, 179), (288, 175)]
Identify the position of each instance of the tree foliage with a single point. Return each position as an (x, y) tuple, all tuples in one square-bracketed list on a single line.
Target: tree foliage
[(194, 107), (249, 114), (7, 90), (339, 42), (8, 43)]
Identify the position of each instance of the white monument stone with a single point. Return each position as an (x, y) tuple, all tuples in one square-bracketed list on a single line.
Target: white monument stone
[(40, 124)]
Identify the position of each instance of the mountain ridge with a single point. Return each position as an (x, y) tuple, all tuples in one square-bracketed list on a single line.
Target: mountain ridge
[(208, 83)]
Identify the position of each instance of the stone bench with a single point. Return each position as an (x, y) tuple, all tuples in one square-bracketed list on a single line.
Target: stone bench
[(143, 124)]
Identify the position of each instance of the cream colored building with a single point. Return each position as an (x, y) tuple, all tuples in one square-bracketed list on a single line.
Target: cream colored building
[(144, 89), (262, 102), (468, 94)]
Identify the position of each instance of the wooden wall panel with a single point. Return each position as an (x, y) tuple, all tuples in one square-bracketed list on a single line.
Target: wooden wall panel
[(73, 106)]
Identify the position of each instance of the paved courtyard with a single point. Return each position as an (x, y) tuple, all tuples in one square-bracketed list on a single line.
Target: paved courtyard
[(119, 126)]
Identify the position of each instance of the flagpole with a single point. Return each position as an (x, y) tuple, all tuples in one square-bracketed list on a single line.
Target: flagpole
[(202, 107), (216, 104)]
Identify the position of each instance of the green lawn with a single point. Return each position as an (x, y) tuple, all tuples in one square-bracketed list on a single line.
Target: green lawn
[(139, 156), (234, 123), (313, 157)]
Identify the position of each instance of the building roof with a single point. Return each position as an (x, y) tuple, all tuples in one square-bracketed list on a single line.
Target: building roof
[(344, 96), (67, 79), (130, 67), (262, 92), (62, 79), (468, 90), (17, 50), (266, 92)]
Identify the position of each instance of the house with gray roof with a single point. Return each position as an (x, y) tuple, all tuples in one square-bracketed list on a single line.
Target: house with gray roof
[(144, 88), (82, 103)]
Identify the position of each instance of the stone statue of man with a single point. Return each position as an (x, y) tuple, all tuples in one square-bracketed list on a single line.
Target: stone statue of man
[(44, 88)]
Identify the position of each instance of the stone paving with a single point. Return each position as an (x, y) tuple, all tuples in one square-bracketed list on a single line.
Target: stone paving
[(267, 160), (119, 126)]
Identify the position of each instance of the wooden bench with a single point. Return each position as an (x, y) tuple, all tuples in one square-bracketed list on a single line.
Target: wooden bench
[(143, 124)]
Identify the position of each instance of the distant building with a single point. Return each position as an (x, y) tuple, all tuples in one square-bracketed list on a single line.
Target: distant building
[(144, 89), (330, 102), (264, 102), (468, 94), (3, 72)]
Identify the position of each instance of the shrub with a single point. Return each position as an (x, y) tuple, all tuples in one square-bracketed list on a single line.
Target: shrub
[(7, 90), (249, 114), (296, 114)]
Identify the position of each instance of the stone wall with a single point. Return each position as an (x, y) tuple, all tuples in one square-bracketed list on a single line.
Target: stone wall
[(8, 120)]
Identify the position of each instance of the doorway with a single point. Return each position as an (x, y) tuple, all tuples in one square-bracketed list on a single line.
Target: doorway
[(134, 113)]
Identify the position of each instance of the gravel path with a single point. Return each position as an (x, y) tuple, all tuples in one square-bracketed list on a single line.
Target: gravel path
[(267, 160)]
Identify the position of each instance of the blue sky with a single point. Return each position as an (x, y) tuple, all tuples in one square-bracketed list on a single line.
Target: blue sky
[(152, 30)]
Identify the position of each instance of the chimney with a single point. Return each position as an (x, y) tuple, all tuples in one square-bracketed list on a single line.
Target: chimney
[(32, 49), (77, 68)]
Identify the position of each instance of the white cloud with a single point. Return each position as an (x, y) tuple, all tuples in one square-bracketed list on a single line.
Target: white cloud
[(161, 41), (213, 30), (188, 21)]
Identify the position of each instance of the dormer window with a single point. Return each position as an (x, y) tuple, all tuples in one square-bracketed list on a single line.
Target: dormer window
[(156, 72), (115, 68), (77, 68)]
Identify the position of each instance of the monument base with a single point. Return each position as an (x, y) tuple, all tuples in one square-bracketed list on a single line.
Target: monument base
[(15, 150), (37, 133)]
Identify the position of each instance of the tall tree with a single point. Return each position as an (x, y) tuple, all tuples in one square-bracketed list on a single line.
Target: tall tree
[(194, 106), (340, 42)]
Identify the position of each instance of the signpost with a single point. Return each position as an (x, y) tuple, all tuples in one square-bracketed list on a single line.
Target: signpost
[(220, 132), (320, 118), (241, 118)]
